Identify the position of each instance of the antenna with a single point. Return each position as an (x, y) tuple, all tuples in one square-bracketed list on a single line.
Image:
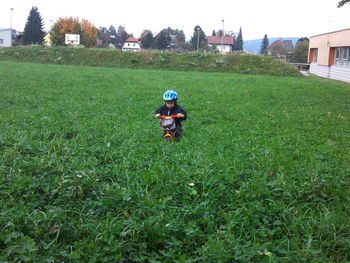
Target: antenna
[(329, 26)]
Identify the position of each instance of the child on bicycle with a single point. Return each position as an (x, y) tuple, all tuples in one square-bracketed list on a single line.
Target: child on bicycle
[(170, 107)]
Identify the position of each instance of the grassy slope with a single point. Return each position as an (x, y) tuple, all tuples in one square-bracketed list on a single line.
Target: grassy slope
[(233, 63), (84, 175)]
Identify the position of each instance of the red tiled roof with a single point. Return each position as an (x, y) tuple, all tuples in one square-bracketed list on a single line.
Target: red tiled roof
[(131, 39), (216, 40)]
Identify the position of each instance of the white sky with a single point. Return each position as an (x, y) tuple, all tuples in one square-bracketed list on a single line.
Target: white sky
[(276, 18)]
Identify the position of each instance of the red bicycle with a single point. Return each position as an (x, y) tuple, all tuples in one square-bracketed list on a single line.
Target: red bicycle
[(168, 125)]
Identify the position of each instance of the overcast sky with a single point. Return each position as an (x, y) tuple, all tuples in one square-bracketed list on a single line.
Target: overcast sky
[(276, 18)]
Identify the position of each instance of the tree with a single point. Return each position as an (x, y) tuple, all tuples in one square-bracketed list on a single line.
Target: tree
[(123, 34), (238, 46), (219, 33), (70, 25), (64, 26), (179, 34), (213, 33), (300, 52), (112, 30), (198, 34), (264, 45), (162, 39), (343, 2), (103, 37), (33, 30), (89, 34), (302, 39), (182, 47), (147, 39), (114, 37)]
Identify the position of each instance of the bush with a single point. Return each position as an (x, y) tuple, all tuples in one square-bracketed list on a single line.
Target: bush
[(204, 62)]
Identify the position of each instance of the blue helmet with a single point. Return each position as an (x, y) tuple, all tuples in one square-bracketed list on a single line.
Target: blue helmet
[(170, 95)]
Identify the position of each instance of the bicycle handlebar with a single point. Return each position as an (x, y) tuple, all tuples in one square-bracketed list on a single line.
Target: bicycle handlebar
[(171, 116)]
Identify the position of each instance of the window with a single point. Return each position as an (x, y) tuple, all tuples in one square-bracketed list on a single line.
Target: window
[(314, 54), (1, 41), (342, 56)]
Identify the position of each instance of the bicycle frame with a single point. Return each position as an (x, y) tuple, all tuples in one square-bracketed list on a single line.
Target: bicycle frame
[(168, 127)]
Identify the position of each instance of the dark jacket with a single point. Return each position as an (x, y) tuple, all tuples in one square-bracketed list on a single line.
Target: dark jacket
[(163, 110)]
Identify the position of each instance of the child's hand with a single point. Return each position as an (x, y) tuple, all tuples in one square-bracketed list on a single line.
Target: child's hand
[(179, 115), (157, 115)]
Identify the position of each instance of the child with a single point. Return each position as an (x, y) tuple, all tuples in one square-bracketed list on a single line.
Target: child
[(172, 108)]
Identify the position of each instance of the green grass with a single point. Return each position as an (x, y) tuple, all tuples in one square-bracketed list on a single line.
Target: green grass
[(204, 62), (84, 176)]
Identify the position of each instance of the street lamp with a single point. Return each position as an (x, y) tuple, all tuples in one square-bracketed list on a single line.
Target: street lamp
[(11, 9), (197, 28), (222, 36)]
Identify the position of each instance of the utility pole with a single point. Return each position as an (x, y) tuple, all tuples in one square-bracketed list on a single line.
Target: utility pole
[(222, 36), (11, 9)]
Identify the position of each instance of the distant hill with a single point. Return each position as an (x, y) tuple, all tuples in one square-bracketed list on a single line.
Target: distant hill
[(254, 45)]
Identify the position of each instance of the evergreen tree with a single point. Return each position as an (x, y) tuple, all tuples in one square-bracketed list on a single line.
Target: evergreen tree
[(198, 34), (123, 34), (33, 30), (162, 39), (112, 30), (180, 35), (147, 39), (238, 46), (103, 37), (214, 33), (264, 45)]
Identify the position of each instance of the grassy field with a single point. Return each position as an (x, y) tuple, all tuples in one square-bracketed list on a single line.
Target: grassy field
[(262, 173)]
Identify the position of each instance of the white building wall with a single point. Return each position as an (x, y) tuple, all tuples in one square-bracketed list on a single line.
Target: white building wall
[(225, 48), (319, 70), (334, 72), (5, 38), (340, 73), (131, 46)]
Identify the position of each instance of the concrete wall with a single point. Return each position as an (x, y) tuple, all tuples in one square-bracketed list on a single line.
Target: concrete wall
[(5, 35)]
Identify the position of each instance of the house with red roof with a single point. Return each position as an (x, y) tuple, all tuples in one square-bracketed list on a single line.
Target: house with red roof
[(131, 44), (281, 49), (222, 44)]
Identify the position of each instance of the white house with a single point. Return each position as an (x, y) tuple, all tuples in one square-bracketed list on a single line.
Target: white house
[(329, 55), (5, 37), (222, 44), (131, 44)]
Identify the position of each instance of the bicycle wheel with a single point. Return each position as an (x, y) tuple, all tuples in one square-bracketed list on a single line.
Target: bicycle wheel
[(168, 138)]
